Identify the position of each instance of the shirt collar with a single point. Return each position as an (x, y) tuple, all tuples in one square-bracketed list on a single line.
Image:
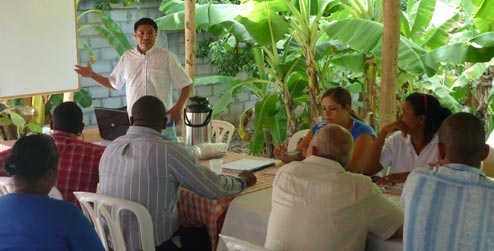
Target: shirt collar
[(63, 134), (313, 159), (464, 168), (408, 139), (144, 130), (147, 52)]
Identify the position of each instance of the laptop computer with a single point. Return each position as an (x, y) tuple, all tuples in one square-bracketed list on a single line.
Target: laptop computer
[(112, 123)]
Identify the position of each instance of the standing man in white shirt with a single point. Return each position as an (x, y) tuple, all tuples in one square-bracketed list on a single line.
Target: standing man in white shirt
[(146, 70), (317, 205)]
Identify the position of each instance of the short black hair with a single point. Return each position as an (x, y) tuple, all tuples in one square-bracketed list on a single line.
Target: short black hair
[(463, 135), (146, 21), (67, 117), (148, 110), (32, 156)]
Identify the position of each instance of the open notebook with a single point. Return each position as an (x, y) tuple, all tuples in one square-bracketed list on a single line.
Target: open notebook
[(247, 164)]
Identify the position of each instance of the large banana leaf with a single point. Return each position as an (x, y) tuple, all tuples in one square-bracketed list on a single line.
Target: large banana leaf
[(271, 116), (110, 31), (351, 61), (437, 37), (366, 36), (420, 18), (207, 15), (484, 16), (171, 6), (473, 73), (404, 25), (263, 20), (476, 50)]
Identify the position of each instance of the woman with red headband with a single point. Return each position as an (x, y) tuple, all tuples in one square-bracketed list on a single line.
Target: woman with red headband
[(416, 145)]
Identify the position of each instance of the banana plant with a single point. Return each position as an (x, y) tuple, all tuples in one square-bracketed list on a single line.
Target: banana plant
[(18, 118)]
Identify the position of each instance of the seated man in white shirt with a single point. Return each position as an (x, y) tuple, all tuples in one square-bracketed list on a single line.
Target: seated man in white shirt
[(450, 206), (317, 205)]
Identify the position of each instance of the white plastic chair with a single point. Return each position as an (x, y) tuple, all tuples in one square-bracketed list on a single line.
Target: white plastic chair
[(221, 129), (7, 187), (105, 211), (235, 244), (295, 139)]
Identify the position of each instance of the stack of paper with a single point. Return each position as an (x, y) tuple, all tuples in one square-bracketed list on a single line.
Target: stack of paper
[(247, 164)]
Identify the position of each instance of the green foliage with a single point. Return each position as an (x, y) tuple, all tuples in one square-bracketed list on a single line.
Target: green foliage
[(218, 1), (20, 117), (82, 97), (228, 56), (453, 53)]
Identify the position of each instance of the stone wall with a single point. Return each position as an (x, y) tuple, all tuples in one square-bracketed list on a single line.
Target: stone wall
[(107, 58)]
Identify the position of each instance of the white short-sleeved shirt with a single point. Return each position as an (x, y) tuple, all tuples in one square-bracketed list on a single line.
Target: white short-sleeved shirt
[(399, 154), (317, 205), (155, 73)]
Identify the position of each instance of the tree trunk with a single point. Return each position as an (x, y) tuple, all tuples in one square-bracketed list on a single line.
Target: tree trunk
[(190, 38), (369, 94), (391, 42)]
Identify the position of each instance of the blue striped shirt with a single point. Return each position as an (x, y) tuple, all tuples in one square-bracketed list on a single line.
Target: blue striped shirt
[(146, 167), (450, 207)]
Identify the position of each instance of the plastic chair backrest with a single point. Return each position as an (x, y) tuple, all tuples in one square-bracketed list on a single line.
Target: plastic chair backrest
[(295, 139), (104, 210), (7, 187), (221, 129), (235, 244)]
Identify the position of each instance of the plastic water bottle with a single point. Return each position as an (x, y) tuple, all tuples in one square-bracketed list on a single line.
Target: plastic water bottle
[(170, 131)]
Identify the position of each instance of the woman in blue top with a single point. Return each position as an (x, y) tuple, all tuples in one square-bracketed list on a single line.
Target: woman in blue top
[(337, 108), (30, 219)]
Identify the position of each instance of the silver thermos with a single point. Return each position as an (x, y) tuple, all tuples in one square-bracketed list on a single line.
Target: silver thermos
[(197, 116)]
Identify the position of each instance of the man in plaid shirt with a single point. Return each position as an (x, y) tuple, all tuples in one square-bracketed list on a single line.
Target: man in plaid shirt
[(79, 160)]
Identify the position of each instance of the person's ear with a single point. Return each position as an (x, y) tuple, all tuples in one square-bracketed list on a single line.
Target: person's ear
[(311, 150), (165, 121), (51, 174), (422, 120), (487, 148), (348, 108), (81, 127)]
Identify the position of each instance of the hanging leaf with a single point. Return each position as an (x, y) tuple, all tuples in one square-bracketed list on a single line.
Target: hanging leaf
[(422, 14), (351, 32), (439, 36), (484, 16), (476, 50), (263, 21)]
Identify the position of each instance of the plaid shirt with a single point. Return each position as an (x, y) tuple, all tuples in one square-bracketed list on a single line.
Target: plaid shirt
[(79, 163)]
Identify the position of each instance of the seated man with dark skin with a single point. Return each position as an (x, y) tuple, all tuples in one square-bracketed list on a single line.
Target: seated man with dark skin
[(79, 160), (450, 206), (145, 167)]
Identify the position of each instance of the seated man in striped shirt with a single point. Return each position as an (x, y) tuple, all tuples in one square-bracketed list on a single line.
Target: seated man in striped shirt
[(79, 160), (450, 206), (145, 167)]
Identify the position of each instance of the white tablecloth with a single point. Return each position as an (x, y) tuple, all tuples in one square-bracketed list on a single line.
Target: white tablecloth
[(247, 219)]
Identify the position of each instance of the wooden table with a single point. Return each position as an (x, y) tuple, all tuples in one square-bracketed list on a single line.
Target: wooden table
[(198, 211)]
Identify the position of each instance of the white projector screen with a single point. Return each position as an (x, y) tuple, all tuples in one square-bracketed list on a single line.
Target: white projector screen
[(38, 47)]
